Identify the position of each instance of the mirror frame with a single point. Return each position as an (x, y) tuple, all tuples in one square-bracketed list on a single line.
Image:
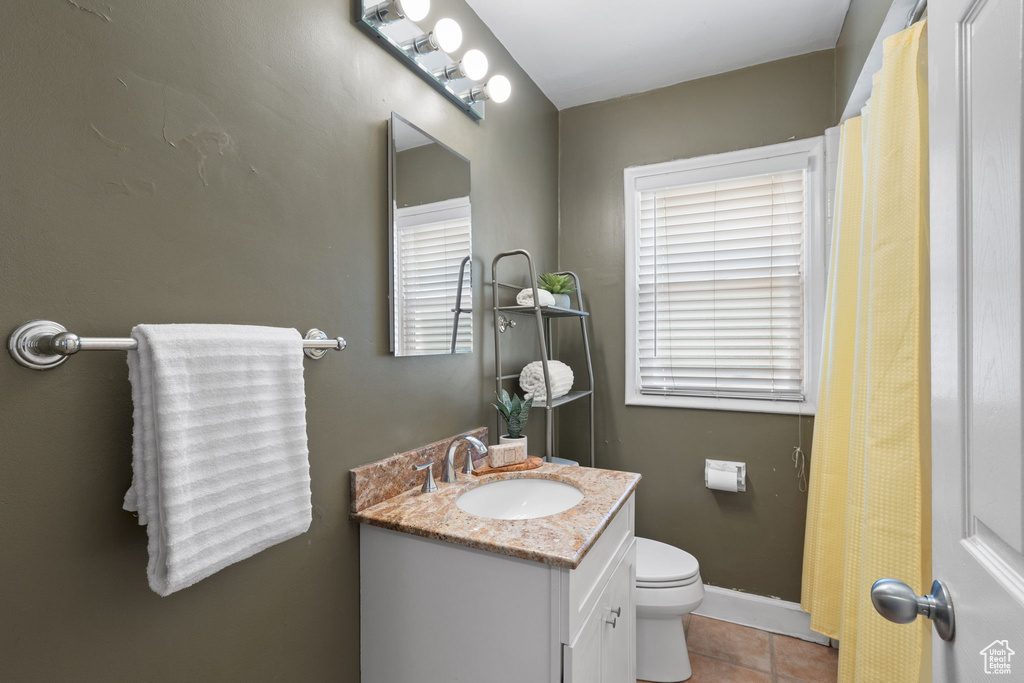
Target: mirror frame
[(393, 216)]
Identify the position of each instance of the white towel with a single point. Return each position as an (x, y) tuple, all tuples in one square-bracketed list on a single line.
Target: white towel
[(219, 458), (531, 380), (525, 297)]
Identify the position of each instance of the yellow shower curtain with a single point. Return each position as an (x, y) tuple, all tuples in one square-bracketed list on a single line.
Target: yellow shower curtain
[(868, 514)]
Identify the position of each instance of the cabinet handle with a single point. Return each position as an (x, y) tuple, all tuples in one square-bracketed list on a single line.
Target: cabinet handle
[(617, 611), (611, 621)]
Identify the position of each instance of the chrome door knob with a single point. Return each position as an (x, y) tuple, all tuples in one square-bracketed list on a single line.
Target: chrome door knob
[(897, 602)]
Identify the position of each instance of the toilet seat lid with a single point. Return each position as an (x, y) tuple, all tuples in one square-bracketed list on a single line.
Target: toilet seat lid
[(661, 563)]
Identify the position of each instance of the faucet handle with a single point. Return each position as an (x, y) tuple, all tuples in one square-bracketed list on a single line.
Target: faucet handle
[(475, 446), (429, 485), (478, 448)]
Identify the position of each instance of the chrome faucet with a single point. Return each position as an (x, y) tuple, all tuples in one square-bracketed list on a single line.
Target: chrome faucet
[(479, 448)]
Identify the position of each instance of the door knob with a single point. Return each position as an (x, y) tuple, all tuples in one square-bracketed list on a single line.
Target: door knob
[(896, 601)]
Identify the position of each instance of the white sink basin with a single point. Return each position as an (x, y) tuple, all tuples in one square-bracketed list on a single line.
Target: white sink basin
[(519, 499)]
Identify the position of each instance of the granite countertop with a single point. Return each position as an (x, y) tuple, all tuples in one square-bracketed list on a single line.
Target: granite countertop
[(561, 540)]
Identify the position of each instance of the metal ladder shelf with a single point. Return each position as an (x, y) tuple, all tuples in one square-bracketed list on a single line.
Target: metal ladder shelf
[(543, 316)]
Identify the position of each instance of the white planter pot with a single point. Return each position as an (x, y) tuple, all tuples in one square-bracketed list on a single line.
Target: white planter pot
[(562, 300), (505, 438)]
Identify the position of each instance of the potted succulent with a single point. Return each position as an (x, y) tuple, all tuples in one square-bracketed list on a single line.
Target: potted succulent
[(559, 286), (515, 412)]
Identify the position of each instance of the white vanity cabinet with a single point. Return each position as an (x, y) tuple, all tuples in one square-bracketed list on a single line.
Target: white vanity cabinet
[(432, 611)]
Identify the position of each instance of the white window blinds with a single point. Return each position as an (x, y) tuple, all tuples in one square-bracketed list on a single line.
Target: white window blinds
[(429, 255), (720, 288)]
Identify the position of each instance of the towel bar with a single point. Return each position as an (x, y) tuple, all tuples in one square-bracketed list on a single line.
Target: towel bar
[(44, 344)]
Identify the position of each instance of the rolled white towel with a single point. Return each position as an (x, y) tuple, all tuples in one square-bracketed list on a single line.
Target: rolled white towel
[(531, 380), (525, 297)]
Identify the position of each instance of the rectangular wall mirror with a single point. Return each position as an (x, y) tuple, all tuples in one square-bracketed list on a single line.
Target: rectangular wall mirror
[(431, 244)]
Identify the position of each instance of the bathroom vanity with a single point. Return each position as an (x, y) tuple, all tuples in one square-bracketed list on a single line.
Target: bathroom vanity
[(449, 596)]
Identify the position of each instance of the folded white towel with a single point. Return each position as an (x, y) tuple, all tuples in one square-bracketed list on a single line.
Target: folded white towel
[(531, 380), (525, 297), (219, 459)]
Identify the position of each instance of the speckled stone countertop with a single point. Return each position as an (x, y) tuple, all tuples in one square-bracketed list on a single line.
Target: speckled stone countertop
[(561, 539)]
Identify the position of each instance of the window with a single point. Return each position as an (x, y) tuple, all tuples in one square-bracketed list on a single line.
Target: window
[(431, 243), (725, 280)]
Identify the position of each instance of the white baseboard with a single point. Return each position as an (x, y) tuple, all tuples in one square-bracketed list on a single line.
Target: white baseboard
[(767, 614)]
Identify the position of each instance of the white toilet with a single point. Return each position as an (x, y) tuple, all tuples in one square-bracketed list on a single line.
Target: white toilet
[(668, 586)]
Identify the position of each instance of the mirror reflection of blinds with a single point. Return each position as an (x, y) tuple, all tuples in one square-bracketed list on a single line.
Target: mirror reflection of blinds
[(429, 257), (720, 310)]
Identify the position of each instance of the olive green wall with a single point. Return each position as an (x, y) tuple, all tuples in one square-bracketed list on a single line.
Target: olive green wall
[(222, 162), (863, 20), (751, 541)]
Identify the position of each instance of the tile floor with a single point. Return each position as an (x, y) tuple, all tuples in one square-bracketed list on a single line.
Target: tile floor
[(721, 652)]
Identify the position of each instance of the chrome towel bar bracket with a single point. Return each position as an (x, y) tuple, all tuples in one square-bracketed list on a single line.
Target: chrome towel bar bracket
[(44, 344)]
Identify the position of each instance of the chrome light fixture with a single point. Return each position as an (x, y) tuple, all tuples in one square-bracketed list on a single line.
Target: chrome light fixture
[(430, 53), (446, 36), (473, 66), (498, 89), (392, 10)]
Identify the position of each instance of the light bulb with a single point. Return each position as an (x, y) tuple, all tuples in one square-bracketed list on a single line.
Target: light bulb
[(474, 64), (413, 9), (447, 35), (498, 89)]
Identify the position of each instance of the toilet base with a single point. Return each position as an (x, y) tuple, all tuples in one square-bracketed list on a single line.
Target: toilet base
[(661, 654)]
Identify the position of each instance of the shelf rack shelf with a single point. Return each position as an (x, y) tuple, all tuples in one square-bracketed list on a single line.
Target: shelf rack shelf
[(568, 398), (543, 316), (545, 311)]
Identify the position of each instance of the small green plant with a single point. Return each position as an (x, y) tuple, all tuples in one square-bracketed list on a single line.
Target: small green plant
[(515, 412), (556, 284)]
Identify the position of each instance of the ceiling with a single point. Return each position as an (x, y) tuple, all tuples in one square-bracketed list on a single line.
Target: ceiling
[(581, 51)]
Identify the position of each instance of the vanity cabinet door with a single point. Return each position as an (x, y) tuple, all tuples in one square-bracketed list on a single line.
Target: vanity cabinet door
[(583, 661), (604, 650), (618, 649)]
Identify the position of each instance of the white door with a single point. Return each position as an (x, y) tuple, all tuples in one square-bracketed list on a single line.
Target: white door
[(976, 307)]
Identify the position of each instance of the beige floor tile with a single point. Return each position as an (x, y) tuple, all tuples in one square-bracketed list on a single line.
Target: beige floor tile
[(707, 670), (803, 661), (731, 643)]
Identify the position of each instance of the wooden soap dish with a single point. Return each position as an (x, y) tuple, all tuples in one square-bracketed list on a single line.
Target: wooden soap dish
[(531, 463)]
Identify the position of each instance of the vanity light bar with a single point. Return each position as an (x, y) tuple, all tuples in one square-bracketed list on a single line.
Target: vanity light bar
[(443, 39)]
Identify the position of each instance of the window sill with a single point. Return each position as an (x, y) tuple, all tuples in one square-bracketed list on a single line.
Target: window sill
[(743, 405)]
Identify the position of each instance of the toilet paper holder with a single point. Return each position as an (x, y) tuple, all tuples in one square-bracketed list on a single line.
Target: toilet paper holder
[(713, 470)]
